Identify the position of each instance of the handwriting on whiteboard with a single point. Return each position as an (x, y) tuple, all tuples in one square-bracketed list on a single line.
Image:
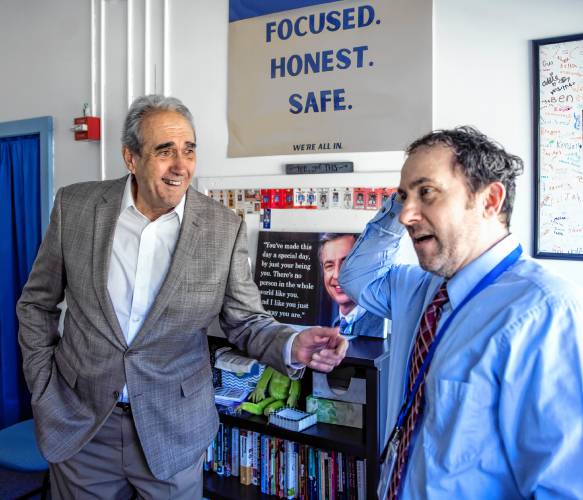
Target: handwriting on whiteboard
[(561, 148)]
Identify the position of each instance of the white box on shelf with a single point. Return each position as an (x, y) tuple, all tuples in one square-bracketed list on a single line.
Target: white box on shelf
[(350, 391), (292, 419)]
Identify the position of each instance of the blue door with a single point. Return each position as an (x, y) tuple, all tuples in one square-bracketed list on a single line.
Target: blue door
[(23, 184)]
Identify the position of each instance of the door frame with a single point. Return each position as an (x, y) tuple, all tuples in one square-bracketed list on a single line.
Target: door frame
[(43, 126)]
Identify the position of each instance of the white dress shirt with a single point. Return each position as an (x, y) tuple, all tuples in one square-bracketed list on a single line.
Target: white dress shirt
[(140, 258)]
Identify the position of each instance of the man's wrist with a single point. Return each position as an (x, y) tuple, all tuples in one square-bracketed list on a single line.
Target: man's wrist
[(289, 353)]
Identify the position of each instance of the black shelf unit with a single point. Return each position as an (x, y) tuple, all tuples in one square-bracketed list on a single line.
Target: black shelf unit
[(370, 356)]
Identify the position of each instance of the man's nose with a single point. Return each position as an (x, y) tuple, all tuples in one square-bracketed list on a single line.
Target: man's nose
[(409, 213), (182, 161)]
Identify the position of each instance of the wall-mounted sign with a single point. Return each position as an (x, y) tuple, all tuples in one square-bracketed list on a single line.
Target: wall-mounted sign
[(310, 76), (334, 167)]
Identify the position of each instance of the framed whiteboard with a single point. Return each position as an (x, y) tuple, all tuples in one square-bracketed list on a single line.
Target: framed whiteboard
[(558, 147)]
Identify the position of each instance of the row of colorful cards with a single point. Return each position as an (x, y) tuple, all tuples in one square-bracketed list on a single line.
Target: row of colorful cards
[(253, 200)]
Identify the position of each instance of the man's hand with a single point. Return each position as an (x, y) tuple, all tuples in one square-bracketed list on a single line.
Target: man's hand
[(319, 348)]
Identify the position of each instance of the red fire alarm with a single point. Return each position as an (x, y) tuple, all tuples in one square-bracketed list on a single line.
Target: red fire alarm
[(87, 128)]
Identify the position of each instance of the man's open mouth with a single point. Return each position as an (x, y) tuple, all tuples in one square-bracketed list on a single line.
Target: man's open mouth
[(423, 239), (171, 182)]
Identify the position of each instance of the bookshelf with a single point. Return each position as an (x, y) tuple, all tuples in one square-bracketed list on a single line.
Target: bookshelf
[(370, 356)]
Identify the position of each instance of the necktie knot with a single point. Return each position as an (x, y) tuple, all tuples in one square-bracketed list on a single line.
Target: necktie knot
[(441, 296)]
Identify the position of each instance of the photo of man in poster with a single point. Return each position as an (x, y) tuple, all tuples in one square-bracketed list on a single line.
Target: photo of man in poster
[(352, 319)]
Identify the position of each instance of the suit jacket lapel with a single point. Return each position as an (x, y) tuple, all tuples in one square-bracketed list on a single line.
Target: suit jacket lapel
[(106, 216), (188, 238)]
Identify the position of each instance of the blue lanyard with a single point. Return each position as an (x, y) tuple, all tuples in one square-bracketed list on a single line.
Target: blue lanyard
[(486, 281)]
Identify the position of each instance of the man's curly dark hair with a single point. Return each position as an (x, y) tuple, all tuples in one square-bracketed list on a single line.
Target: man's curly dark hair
[(480, 159)]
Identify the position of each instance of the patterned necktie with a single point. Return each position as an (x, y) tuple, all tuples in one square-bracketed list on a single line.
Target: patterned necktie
[(425, 337)]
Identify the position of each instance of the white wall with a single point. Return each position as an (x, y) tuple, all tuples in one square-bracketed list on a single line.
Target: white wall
[(481, 77), (46, 70)]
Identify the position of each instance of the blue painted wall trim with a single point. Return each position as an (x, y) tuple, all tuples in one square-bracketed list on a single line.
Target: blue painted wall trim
[(44, 127), (246, 9)]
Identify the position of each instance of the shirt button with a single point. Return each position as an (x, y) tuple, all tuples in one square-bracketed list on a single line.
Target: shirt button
[(135, 319), (116, 394)]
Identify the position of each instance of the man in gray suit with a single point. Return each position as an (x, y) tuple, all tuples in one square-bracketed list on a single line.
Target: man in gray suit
[(352, 318), (123, 401)]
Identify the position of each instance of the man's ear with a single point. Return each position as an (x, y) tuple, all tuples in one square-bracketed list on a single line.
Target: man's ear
[(129, 158), (493, 199)]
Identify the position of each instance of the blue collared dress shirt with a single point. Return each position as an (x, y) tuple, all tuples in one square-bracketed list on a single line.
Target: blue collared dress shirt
[(503, 414)]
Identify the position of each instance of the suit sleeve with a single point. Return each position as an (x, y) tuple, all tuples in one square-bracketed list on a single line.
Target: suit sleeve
[(37, 309), (243, 318)]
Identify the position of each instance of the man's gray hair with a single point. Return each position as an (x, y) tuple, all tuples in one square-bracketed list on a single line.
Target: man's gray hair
[(131, 135)]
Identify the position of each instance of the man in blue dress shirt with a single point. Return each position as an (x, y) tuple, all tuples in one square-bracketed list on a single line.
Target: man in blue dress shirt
[(502, 414)]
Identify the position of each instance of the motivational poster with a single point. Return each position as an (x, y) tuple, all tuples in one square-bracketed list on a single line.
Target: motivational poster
[(320, 76)]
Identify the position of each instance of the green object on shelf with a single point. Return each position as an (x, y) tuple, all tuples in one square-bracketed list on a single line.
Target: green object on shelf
[(330, 411), (273, 391)]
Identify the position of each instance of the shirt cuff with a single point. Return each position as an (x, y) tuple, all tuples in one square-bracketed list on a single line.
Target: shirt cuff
[(388, 215), (287, 353), (382, 231)]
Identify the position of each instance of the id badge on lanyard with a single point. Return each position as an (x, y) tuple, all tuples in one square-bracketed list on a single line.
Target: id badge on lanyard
[(388, 465)]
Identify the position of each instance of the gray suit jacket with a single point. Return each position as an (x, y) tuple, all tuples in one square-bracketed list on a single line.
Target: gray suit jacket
[(75, 380)]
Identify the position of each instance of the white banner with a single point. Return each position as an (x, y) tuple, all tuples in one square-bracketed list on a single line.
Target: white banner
[(328, 77)]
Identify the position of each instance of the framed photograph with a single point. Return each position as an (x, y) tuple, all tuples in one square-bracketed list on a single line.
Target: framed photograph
[(558, 147)]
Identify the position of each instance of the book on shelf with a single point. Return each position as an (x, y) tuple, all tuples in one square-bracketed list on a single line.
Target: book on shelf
[(232, 361), (227, 450), (244, 460), (323, 475), (255, 459), (291, 469), (264, 463), (219, 452), (360, 478), (284, 468), (292, 419), (227, 396), (273, 463), (235, 451)]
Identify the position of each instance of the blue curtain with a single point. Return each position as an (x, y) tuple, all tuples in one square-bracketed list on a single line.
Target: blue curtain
[(20, 237)]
